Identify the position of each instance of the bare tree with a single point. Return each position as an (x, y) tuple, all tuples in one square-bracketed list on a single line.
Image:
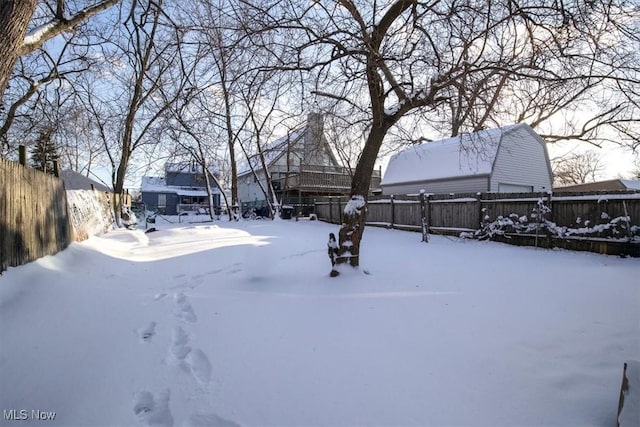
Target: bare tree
[(224, 52), (449, 61), (34, 75), (80, 146), (261, 112), (577, 168), (154, 80), (15, 17), (198, 152), (196, 130), (232, 77)]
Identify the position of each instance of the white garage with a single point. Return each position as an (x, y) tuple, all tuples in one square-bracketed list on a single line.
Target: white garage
[(510, 159)]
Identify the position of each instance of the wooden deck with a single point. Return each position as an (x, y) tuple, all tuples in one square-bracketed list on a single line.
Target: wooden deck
[(321, 179)]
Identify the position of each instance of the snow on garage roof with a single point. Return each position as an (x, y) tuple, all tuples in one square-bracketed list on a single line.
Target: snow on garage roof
[(631, 184), (459, 156)]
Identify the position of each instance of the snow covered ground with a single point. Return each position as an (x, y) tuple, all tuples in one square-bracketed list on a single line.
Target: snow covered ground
[(239, 324)]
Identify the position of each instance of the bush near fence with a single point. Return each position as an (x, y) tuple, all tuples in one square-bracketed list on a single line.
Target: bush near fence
[(605, 222)]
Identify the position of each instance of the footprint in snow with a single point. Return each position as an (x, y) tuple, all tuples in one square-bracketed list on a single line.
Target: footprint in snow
[(184, 311), (193, 361), (153, 411), (208, 420), (147, 332), (158, 297), (179, 348), (200, 366)]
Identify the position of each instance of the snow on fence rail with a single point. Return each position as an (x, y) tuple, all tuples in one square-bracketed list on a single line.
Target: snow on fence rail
[(600, 222)]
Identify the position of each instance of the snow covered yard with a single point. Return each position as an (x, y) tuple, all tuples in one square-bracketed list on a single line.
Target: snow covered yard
[(239, 324)]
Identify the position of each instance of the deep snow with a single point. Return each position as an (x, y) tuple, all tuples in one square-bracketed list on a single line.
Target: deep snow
[(239, 324)]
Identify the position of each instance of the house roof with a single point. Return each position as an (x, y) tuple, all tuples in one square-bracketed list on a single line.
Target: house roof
[(460, 156), (272, 151), (607, 185), (310, 135), (157, 184), (76, 181)]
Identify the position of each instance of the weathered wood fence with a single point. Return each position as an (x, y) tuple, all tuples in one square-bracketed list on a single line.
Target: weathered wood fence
[(454, 214), (38, 217), (34, 221)]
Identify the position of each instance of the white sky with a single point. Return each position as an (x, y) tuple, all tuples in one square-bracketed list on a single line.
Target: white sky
[(617, 161)]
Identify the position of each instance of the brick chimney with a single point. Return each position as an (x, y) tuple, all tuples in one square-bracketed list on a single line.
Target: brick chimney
[(313, 137)]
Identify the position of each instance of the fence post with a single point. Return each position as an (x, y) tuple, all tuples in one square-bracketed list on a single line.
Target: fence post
[(393, 212), (480, 213), (22, 155), (423, 212), (339, 210), (428, 212), (56, 169)]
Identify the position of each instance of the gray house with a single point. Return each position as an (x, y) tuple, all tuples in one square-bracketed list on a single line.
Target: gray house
[(506, 160), (181, 189), (302, 166)]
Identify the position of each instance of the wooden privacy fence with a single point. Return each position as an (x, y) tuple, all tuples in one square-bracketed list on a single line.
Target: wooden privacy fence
[(34, 221), (603, 222)]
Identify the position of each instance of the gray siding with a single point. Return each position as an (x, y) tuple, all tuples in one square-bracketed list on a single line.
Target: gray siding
[(521, 160), (463, 185), (151, 202), (185, 179)]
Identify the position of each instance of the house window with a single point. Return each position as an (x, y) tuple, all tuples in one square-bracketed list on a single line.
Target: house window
[(162, 200)]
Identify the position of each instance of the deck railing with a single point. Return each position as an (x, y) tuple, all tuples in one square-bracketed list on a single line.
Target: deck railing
[(330, 178)]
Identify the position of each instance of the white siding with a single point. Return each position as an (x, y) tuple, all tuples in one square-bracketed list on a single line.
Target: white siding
[(248, 188), (514, 188), (463, 185), (521, 161), (317, 154)]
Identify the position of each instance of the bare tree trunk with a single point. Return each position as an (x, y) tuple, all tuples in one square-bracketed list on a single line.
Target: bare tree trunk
[(264, 191), (355, 211), (118, 186), (270, 193), (232, 152), (14, 19), (224, 195)]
